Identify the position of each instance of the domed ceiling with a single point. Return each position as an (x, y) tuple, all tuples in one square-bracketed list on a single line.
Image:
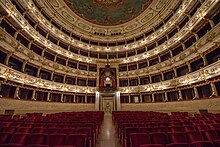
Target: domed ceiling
[(108, 12)]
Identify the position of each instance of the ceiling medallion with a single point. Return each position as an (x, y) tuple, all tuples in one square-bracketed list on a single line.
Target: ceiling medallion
[(108, 3)]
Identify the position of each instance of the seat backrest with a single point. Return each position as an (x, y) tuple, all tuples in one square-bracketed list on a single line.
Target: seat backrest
[(178, 145), (194, 136), (19, 138), (176, 129), (36, 139), (146, 130), (55, 139), (68, 131), (12, 145), (137, 139), (23, 130), (52, 131), (210, 135), (162, 129), (177, 137), (86, 131), (129, 130), (202, 144), (152, 145), (189, 128), (202, 127), (9, 130), (37, 130), (78, 140), (4, 137), (159, 138)]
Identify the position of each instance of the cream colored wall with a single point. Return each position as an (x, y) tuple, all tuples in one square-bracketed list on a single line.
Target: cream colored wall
[(22, 107), (193, 106)]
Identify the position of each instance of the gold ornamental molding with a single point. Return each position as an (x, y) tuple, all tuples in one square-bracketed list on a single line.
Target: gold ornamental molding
[(201, 75), (204, 74), (38, 16), (18, 77), (177, 37)]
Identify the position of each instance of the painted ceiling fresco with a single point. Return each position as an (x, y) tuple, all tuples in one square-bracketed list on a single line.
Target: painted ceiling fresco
[(108, 12)]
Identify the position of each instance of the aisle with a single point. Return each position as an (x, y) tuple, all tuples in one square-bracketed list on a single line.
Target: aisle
[(108, 136)]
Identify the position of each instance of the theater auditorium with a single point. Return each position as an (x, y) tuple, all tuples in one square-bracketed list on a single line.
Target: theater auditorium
[(109, 73)]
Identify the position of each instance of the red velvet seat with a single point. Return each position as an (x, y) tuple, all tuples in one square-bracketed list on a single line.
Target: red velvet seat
[(9, 130), (217, 143), (178, 145), (126, 134), (37, 145), (78, 140), (55, 139), (11, 145), (36, 139), (89, 136), (68, 131), (37, 130), (202, 127), (177, 137), (176, 129), (19, 138), (4, 138), (146, 130), (159, 138), (194, 136), (202, 144), (137, 139), (210, 135), (152, 145), (23, 130), (189, 128), (162, 129), (51, 131)]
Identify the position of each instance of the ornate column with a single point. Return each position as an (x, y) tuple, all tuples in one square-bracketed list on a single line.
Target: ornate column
[(189, 67), (7, 58), (16, 94), (97, 100), (166, 98), (183, 45), (196, 96), (61, 99), (153, 100), (180, 95), (205, 63), (0, 90), (51, 78), (212, 24), (33, 95), (48, 96), (23, 66), (140, 98), (214, 90), (86, 98), (74, 98), (162, 76), (175, 72), (150, 78), (118, 102), (129, 98), (38, 72), (171, 53)]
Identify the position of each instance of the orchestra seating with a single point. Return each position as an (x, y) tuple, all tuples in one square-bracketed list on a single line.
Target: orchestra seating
[(179, 129), (66, 129)]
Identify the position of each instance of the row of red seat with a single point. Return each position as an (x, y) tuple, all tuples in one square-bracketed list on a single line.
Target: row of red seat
[(154, 128), (78, 129), (24, 139)]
